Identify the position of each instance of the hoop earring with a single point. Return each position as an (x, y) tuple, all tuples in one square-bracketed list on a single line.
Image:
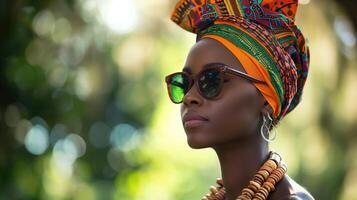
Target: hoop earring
[(266, 127)]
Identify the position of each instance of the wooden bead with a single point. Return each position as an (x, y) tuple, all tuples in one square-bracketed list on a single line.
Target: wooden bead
[(259, 181), (213, 189), (259, 196), (221, 194), (259, 178), (248, 191), (271, 164), (263, 182), (271, 180), (267, 168), (243, 197), (279, 173), (275, 177), (268, 184), (254, 186), (284, 166), (264, 173), (219, 181), (205, 197), (282, 170), (268, 188), (264, 190)]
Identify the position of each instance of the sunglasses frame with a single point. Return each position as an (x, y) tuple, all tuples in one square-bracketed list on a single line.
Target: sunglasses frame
[(222, 68)]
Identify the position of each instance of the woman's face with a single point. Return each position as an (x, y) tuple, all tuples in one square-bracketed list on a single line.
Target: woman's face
[(234, 115)]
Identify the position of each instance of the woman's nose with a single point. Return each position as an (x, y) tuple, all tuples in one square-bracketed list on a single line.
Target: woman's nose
[(192, 96)]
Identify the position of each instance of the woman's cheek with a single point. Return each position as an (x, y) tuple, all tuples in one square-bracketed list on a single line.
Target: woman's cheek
[(235, 114)]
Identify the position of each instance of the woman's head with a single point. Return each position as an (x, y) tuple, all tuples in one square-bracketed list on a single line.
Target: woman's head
[(264, 32), (259, 38), (235, 114)]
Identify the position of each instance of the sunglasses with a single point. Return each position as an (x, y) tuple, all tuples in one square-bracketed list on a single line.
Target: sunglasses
[(209, 81)]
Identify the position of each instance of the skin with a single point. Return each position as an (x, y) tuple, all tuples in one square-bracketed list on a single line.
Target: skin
[(233, 126)]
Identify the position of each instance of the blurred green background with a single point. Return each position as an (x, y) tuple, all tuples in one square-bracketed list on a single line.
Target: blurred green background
[(84, 112)]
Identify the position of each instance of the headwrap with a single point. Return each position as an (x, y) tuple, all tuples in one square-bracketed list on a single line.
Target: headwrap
[(264, 38)]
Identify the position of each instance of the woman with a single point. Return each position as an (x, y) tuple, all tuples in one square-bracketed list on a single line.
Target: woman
[(246, 72)]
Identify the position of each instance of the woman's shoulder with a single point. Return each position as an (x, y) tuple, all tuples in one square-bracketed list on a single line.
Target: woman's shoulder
[(298, 192), (288, 189), (299, 196)]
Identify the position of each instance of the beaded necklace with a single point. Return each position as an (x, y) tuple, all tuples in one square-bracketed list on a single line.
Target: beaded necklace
[(263, 182)]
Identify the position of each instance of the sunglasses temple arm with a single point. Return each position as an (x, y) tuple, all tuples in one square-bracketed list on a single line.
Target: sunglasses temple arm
[(246, 76)]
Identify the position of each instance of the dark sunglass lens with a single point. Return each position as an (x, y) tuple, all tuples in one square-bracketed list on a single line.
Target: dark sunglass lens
[(178, 87), (209, 82)]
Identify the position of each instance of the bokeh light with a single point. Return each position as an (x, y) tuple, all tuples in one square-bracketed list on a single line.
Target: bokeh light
[(37, 140)]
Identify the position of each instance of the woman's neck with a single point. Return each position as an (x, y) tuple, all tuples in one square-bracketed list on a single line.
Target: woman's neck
[(239, 161)]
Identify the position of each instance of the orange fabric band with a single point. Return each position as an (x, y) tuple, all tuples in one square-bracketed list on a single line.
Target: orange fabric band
[(255, 69)]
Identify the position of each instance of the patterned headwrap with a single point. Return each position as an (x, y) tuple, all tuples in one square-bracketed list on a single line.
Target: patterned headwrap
[(262, 35)]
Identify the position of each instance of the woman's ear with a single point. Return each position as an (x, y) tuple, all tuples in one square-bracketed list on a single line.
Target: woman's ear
[(267, 108)]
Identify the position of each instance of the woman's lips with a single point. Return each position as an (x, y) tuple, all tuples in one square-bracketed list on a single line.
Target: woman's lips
[(194, 123), (192, 119)]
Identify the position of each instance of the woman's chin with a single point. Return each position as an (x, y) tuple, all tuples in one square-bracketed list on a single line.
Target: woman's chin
[(196, 145), (196, 142)]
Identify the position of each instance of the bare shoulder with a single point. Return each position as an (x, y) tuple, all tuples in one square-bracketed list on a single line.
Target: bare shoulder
[(288, 189), (299, 192), (298, 196)]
